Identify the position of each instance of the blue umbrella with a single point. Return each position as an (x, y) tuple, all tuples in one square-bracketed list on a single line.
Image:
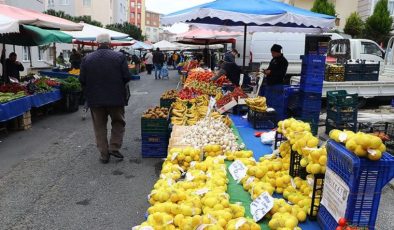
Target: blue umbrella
[(255, 15)]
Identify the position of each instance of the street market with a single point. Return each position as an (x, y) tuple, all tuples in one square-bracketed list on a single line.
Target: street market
[(209, 144)]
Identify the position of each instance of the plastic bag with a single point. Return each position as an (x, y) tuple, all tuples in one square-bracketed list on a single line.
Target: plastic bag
[(268, 138)]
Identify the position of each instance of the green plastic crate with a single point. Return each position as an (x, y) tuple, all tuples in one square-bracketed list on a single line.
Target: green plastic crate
[(154, 125)]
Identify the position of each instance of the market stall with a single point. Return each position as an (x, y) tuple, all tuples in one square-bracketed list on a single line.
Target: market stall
[(221, 172)]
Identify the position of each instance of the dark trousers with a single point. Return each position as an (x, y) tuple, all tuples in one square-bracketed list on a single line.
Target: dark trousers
[(149, 68), (100, 120)]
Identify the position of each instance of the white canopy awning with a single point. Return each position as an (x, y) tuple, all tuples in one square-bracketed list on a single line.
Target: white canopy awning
[(90, 32)]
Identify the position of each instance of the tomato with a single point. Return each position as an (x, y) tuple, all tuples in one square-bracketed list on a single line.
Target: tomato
[(339, 228), (342, 222)]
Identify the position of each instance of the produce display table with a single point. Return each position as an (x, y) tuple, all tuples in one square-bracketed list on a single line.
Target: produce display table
[(41, 99), (56, 74), (14, 108), (235, 190)]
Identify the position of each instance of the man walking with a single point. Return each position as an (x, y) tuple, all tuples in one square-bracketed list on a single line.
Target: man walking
[(104, 74), (149, 62), (158, 60)]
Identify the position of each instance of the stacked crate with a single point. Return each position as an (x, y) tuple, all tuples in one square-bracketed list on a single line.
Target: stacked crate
[(335, 73), (361, 71), (281, 98), (341, 111), (311, 86), (352, 187), (155, 137)]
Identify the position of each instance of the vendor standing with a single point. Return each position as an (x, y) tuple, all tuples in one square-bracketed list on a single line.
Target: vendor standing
[(230, 69), (276, 71), (12, 66)]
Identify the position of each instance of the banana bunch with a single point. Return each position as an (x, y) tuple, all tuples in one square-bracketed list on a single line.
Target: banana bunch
[(202, 100), (258, 104), (192, 115), (179, 108)]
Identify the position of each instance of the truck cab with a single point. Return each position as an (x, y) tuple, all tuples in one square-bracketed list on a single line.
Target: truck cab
[(353, 49)]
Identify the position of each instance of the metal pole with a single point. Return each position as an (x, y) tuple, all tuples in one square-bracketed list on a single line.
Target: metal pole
[(31, 63), (244, 55), (54, 54)]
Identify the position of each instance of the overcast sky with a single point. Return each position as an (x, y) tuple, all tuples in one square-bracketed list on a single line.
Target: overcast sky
[(169, 6)]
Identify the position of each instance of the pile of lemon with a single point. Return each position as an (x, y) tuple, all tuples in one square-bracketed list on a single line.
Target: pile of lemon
[(191, 194), (362, 144)]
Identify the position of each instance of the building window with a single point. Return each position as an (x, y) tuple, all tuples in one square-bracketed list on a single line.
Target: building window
[(87, 3), (138, 16), (25, 53), (132, 5), (147, 15), (139, 5), (41, 53), (64, 2), (132, 15), (147, 22), (51, 3), (154, 23)]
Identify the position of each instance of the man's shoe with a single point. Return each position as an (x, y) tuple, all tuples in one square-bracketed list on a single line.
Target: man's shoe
[(116, 154), (104, 160)]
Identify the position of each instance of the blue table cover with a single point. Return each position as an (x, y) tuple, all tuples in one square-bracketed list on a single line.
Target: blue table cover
[(253, 143), (14, 108), (41, 99), (56, 74)]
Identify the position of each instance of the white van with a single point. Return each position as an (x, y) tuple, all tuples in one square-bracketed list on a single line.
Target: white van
[(258, 48)]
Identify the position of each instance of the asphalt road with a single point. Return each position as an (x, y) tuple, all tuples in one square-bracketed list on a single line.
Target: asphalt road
[(50, 176)]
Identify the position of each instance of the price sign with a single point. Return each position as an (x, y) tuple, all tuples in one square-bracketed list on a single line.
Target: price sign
[(212, 102), (237, 170), (241, 79), (241, 101), (261, 206)]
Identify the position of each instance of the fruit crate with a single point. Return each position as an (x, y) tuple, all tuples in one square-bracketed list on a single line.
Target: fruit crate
[(312, 78), (154, 150), (362, 68), (342, 116), (313, 69), (313, 60), (342, 99), (166, 103), (240, 109), (279, 139), (313, 122), (135, 77), (153, 138), (262, 120), (159, 125), (311, 88), (361, 181), (296, 170), (317, 193), (334, 77), (310, 102), (385, 127), (330, 125)]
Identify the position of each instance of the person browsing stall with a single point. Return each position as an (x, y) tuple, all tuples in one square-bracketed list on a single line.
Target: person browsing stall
[(276, 71), (12, 66), (230, 69)]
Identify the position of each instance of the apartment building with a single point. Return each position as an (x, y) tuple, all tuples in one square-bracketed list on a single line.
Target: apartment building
[(137, 14), (152, 26), (104, 11), (366, 7)]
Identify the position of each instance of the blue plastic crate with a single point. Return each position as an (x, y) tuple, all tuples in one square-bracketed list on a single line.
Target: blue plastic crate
[(154, 138), (312, 88), (310, 102), (312, 78), (263, 125), (365, 179), (313, 60), (154, 150), (313, 69)]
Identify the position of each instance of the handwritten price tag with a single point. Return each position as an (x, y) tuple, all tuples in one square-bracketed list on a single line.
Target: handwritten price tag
[(261, 206), (237, 170), (212, 102)]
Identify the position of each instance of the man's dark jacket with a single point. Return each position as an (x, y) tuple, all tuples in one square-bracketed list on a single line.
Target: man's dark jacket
[(158, 58), (104, 74), (278, 67)]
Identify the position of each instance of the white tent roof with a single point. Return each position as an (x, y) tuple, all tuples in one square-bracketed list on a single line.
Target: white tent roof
[(166, 45), (8, 25), (90, 32)]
